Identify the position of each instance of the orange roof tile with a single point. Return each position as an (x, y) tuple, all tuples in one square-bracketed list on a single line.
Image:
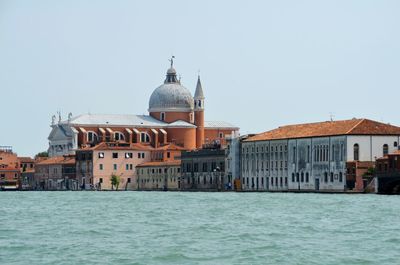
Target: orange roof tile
[(160, 163), (57, 160), (24, 159), (328, 128), (171, 146)]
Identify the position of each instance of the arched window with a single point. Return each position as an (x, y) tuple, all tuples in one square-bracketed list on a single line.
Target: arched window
[(356, 150), (340, 176), (92, 137), (385, 149), (307, 177), (302, 176), (144, 137), (162, 116), (118, 136), (326, 176)]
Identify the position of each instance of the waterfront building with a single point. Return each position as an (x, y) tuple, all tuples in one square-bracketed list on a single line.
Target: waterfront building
[(27, 165), (175, 116), (163, 172), (232, 158), (204, 169), (387, 173), (161, 176), (55, 173), (96, 165), (315, 156), (10, 174)]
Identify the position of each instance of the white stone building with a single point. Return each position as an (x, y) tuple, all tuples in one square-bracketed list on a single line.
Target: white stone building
[(314, 156)]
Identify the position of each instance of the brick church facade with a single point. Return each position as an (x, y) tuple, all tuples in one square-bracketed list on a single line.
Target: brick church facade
[(176, 119)]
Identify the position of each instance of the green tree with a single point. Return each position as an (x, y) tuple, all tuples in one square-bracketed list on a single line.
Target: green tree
[(115, 180), (42, 154)]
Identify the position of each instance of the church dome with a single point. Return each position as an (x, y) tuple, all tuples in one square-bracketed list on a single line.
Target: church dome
[(171, 96)]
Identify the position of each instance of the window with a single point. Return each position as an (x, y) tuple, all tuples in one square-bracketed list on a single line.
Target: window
[(356, 150), (101, 180), (129, 180), (115, 166), (144, 137), (395, 144), (92, 137), (307, 177), (168, 155), (326, 176), (293, 177), (302, 176), (127, 167), (205, 167), (115, 155), (130, 166), (331, 176), (385, 149), (101, 166), (162, 116), (340, 177), (118, 136), (221, 135), (128, 155)]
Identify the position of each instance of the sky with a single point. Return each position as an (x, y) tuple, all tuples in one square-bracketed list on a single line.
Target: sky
[(263, 63)]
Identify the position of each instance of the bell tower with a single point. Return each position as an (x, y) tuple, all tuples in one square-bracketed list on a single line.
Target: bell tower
[(199, 114)]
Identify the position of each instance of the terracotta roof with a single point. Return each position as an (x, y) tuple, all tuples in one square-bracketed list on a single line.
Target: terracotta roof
[(26, 159), (171, 146), (328, 128), (57, 160), (116, 146), (160, 163)]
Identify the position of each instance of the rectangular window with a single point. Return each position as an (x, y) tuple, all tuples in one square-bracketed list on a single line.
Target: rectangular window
[(128, 155), (196, 167), (168, 154), (129, 180), (130, 166), (101, 155), (204, 167), (115, 155), (101, 166), (127, 167), (101, 180), (115, 166)]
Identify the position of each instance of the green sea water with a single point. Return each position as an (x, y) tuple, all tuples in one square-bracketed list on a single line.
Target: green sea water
[(198, 228)]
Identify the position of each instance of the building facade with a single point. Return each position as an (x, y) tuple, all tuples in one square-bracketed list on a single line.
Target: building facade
[(10, 174), (55, 173), (96, 165), (315, 156), (159, 176), (175, 116), (204, 170)]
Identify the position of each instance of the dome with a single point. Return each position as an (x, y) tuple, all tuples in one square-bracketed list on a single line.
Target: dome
[(171, 96)]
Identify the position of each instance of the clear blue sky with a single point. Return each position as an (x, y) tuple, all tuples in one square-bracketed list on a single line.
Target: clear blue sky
[(263, 63)]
